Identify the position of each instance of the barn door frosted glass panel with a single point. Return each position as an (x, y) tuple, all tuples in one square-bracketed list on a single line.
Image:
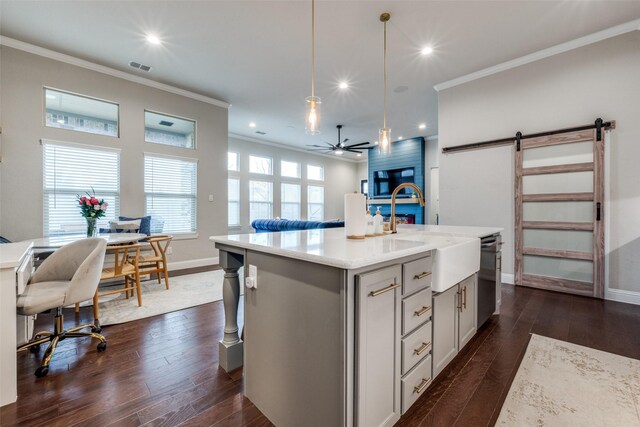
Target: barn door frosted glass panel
[(569, 269), (558, 211), (574, 182), (561, 240), (564, 154)]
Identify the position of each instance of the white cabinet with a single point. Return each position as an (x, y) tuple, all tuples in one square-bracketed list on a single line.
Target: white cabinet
[(378, 347), (445, 328), (454, 321), (467, 310)]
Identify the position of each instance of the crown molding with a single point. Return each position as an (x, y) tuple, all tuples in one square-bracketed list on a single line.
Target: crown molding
[(289, 147), (72, 60), (542, 54)]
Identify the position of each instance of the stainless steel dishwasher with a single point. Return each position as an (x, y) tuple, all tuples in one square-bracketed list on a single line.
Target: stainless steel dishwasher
[(489, 277)]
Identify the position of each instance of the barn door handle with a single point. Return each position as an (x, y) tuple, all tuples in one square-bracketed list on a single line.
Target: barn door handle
[(598, 206)]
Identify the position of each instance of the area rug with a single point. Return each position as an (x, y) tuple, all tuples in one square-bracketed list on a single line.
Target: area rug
[(184, 291), (564, 384)]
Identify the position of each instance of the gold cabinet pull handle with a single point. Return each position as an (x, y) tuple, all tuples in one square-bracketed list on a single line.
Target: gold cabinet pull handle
[(422, 311), (422, 275), (425, 345), (464, 298), (423, 384), (383, 290)]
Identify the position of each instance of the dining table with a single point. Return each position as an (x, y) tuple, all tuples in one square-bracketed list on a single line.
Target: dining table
[(54, 242)]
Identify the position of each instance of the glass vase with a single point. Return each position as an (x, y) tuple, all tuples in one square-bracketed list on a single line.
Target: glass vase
[(92, 231)]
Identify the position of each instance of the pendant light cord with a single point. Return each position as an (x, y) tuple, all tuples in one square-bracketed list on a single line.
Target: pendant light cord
[(313, 47), (384, 117)]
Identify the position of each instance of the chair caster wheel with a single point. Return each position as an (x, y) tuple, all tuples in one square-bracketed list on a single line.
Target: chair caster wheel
[(42, 371), (34, 349), (102, 346), (96, 327)]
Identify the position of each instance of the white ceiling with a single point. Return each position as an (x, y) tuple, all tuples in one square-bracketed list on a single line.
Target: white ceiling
[(255, 55)]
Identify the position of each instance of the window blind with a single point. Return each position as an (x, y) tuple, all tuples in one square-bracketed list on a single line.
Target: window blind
[(170, 192), (69, 171), (234, 202)]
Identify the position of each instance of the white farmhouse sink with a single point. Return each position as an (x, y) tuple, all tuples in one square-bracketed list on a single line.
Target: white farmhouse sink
[(455, 259)]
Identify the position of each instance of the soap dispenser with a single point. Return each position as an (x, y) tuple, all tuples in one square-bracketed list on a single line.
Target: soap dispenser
[(370, 229), (378, 226)]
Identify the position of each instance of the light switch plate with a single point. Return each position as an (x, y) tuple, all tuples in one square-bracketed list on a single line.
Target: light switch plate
[(253, 273)]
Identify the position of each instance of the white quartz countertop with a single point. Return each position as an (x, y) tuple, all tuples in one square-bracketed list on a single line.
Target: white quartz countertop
[(12, 254), (331, 247)]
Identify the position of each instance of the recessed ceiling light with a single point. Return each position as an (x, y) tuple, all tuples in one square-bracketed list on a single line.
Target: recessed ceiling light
[(252, 125), (422, 126), (153, 39), (359, 154), (426, 50), (51, 97), (343, 85), (400, 138)]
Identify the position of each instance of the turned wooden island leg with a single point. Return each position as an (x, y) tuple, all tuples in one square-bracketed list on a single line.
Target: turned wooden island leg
[(231, 346)]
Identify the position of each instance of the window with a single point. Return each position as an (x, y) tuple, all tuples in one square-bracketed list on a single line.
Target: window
[(261, 165), (170, 192), (289, 169), (169, 130), (290, 195), (233, 162), (315, 203), (80, 113), (71, 170), (260, 200), (315, 173), (233, 218)]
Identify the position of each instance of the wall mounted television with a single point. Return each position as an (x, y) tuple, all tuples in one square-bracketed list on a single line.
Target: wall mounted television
[(385, 181)]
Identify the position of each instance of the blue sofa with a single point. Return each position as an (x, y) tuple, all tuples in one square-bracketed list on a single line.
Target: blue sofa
[(270, 225)]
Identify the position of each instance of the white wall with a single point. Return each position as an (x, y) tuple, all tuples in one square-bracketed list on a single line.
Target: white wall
[(23, 76), (566, 90), (340, 177)]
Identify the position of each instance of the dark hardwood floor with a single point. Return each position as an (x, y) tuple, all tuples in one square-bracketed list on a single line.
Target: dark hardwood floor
[(163, 370)]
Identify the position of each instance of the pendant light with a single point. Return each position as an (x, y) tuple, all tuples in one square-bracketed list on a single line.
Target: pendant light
[(312, 103), (384, 135)]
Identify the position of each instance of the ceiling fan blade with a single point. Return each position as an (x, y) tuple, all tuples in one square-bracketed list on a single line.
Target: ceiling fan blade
[(333, 147), (345, 140), (315, 145), (360, 143)]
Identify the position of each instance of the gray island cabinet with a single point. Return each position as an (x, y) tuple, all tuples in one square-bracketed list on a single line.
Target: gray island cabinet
[(338, 332)]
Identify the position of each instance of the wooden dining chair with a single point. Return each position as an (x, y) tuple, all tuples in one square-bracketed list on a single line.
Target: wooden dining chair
[(155, 260), (125, 265)]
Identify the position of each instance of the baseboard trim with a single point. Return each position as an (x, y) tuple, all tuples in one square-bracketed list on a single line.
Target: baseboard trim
[(192, 263), (629, 297), (507, 278)]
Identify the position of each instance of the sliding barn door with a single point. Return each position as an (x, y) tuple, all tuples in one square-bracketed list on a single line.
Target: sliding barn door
[(559, 212)]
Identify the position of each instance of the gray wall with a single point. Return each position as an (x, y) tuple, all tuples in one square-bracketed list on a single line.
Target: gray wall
[(570, 89), (23, 76), (340, 177)]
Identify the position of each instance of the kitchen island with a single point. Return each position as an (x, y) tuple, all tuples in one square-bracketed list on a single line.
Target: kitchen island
[(337, 331)]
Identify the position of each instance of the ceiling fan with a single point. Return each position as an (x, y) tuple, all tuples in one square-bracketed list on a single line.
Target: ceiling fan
[(341, 146)]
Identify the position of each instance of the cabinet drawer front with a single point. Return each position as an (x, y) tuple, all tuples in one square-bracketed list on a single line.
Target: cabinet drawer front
[(416, 275), (415, 347), (416, 383), (416, 310)]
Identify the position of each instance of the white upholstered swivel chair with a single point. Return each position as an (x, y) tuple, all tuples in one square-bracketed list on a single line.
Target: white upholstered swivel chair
[(69, 275)]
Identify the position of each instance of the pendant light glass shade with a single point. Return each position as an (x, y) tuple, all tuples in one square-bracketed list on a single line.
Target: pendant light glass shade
[(312, 115), (384, 137)]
